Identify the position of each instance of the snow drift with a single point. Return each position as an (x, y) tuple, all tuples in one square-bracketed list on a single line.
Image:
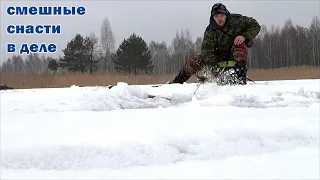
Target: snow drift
[(263, 130)]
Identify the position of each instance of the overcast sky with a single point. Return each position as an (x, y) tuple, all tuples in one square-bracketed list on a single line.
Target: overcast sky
[(152, 20)]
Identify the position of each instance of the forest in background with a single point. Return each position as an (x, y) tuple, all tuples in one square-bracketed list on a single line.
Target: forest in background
[(275, 47)]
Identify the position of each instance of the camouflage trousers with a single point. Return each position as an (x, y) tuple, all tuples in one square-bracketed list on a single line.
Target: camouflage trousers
[(196, 63)]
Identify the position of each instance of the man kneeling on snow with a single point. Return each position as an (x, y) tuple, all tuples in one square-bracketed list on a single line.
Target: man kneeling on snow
[(225, 45)]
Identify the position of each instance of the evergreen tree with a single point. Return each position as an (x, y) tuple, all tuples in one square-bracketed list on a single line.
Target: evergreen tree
[(53, 65), (133, 56), (91, 43), (78, 55)]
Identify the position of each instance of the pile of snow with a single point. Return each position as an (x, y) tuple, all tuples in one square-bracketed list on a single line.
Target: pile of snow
[(124, 96), (263, 130)]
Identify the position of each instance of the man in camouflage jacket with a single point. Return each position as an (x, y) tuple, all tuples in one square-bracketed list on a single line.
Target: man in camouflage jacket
[(227, 37)]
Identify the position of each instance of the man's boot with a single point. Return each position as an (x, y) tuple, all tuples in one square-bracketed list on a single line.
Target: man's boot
[(243, 77), (241, 71)]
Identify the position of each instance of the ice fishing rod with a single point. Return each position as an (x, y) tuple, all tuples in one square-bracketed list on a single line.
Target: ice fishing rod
[(198, 85), (251, 80), (203, 79)]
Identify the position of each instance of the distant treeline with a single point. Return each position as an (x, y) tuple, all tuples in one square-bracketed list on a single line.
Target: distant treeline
[(276, 47)]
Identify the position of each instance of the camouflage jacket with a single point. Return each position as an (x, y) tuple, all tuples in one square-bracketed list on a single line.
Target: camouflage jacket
[(218, 41)]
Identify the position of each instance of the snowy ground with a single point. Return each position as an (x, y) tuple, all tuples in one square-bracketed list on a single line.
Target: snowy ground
[(266, 130)]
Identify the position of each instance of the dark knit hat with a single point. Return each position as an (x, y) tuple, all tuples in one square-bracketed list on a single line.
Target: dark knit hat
[(219, 8)]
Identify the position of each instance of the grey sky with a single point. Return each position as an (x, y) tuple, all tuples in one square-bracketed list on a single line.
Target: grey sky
[(153, 20)]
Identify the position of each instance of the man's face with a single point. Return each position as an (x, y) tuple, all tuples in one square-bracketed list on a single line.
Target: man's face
[(220, 19)]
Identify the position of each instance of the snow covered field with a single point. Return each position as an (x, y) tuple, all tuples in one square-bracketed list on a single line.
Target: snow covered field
[(263, 130)]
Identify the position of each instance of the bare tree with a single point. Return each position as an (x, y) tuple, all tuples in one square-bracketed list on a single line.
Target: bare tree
[(14, 64), (183, 49), (197, 45), (33, 63), (291, 45), (314, 39), (107, 41), (44, 64), (159, 56), (18, 64), (92, 45)]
